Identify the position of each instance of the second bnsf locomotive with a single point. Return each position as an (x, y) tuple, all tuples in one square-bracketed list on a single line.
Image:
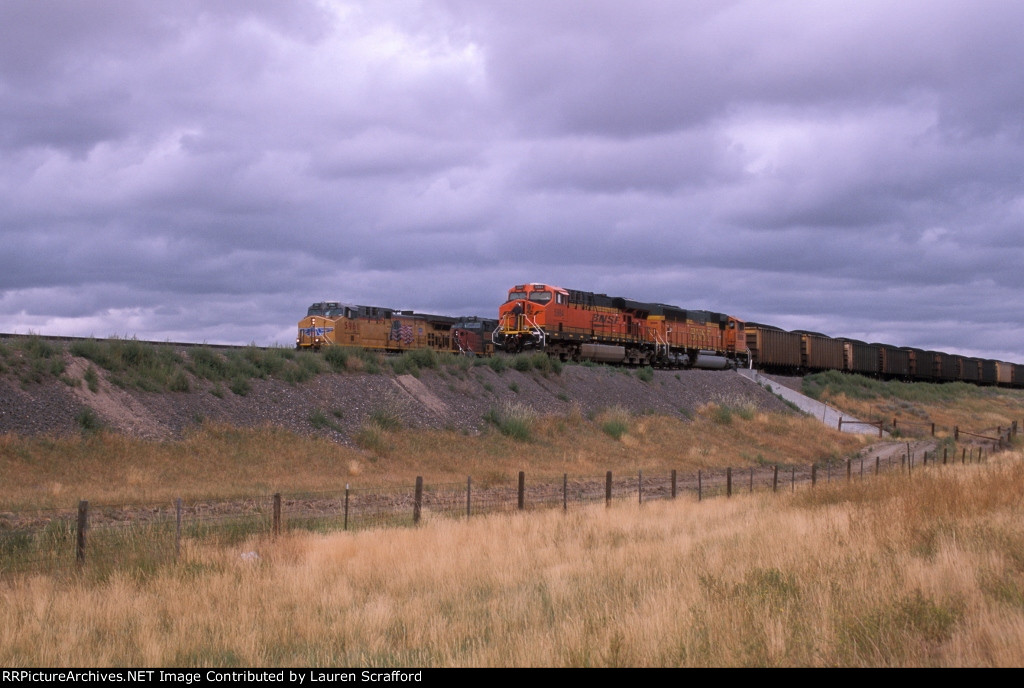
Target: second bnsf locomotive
[(579, 325), (332, 323)]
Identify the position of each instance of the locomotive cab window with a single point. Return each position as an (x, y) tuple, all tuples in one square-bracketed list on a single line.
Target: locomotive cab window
[(516, 295), (540, 296)]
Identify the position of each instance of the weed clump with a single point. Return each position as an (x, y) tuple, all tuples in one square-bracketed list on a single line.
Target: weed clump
[(522, 363), (319, 420), (513, 420), (386, 419), (723, 414), (92, 380), (411, 362), (615, 421), (88, 421)]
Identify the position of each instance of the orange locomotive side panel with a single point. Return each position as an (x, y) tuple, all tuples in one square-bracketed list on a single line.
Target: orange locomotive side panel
[(582, 325)]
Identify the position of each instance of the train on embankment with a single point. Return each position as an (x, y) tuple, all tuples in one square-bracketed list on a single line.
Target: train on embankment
[(575, 325), (332, 323)]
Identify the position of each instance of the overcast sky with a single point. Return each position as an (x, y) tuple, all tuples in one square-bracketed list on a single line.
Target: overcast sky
[(194, 170)]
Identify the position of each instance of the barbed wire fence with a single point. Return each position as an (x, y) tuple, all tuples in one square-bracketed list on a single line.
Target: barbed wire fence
[(110, 536)]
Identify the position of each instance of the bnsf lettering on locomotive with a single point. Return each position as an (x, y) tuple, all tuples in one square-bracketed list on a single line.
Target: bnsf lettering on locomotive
[(605, 319)]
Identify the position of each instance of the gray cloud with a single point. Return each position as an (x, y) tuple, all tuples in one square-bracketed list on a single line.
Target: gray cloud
[(205, 170)]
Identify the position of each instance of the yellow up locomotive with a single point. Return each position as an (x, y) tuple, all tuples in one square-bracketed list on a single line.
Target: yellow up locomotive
[(333, 323)]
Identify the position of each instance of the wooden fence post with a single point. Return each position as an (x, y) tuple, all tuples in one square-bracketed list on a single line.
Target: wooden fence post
[(469, 494), (277, 514), (346, 506), (775, 478), (417, 500), (177, 528), (751, 479), (814, 474), (877, 467), (608, 488), (674, 483), (565, 492), (728, 481), (522, 490), (639, 487), (792, 479), (849, 469), (83, 526), (700, 486)]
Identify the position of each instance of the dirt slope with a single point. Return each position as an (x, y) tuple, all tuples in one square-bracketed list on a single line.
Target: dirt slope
[(445, 398)]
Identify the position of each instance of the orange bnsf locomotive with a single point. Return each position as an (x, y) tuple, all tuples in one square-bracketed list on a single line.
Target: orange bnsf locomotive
[(332, 323), (580, 325)]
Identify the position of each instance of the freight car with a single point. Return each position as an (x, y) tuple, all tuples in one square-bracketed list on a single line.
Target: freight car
[(581, 325), (333, 323), (771, 347), (776, 350), (819, 351)]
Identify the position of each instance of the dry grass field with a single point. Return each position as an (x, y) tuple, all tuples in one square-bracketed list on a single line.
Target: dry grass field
[(896, 570), (907, 569), (221, 461)]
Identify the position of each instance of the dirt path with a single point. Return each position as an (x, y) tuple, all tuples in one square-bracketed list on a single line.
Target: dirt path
[(116, 408)]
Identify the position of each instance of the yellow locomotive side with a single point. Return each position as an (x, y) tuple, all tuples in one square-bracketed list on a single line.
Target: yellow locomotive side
[(383, 329)]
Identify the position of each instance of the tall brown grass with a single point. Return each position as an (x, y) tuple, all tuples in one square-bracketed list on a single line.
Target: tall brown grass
[(221, 461), (924, 569)]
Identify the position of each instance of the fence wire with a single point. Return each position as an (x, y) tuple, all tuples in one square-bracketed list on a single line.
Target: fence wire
[(150, 535)]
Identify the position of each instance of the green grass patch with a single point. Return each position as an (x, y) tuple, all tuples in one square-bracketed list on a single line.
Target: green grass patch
[(615, 421), (386, 419), (320, 420), (88, 421), (833, 382), (411, 362), (513, 420)]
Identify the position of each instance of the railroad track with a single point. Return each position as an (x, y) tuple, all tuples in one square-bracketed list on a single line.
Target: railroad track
[(5, 336)]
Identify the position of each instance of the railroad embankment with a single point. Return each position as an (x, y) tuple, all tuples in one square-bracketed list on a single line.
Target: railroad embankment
[(47, 388)]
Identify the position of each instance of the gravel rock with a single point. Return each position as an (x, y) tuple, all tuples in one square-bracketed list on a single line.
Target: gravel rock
[(450, 398)]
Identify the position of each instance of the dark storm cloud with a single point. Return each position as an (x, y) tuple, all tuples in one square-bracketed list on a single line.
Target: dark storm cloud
[(205, 170)]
